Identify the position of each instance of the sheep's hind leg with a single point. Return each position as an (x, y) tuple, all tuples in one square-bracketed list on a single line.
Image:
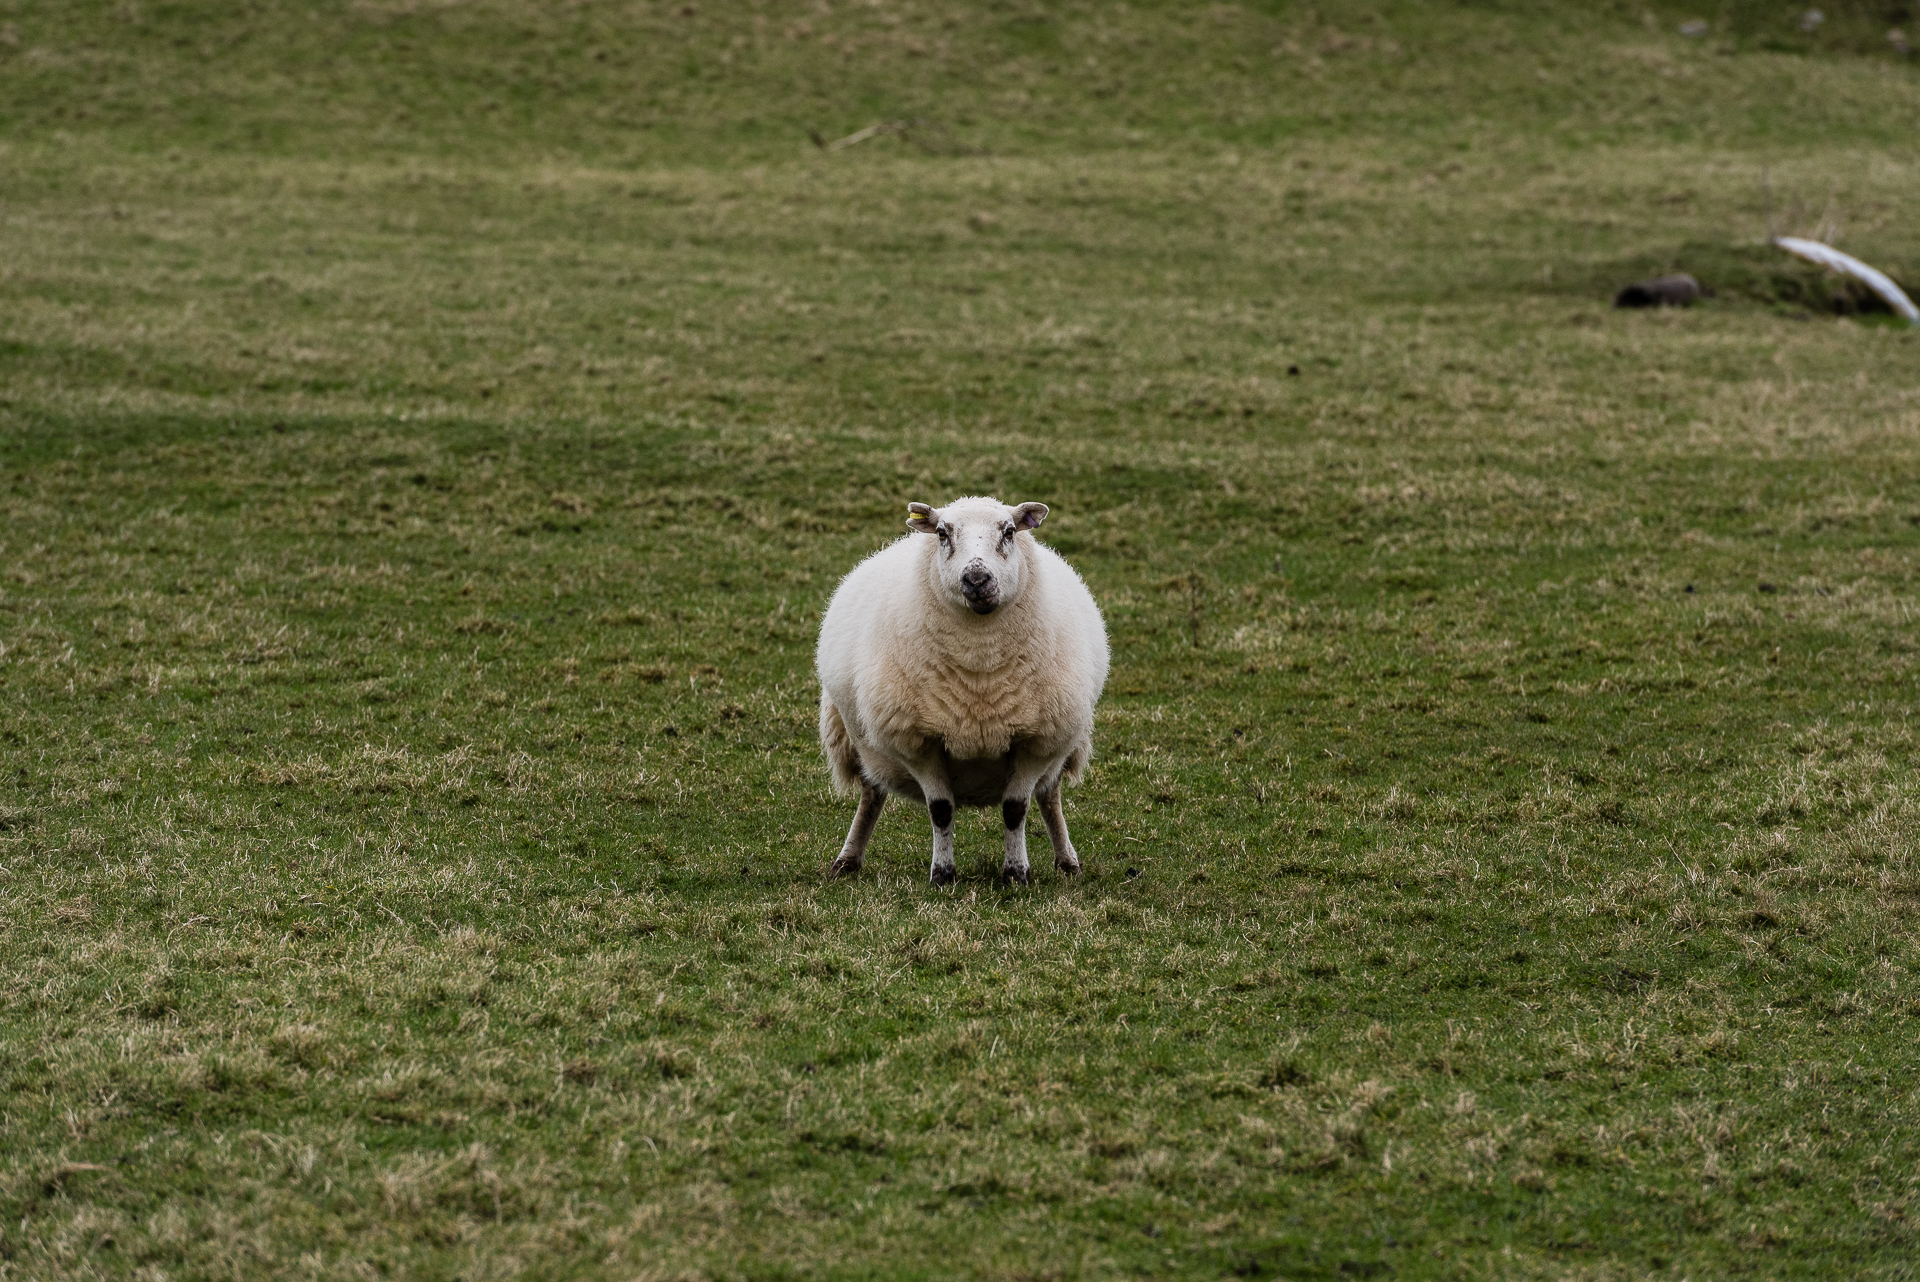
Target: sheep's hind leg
[(854, 853), (1064, 857)]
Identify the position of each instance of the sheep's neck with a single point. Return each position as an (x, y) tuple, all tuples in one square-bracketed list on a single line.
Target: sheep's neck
[(991, 645)]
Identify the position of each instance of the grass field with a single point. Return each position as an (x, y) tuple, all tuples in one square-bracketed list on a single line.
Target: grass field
[(429, 434)]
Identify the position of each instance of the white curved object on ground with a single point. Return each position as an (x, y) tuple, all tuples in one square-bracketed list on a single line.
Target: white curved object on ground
[(1879, 282)]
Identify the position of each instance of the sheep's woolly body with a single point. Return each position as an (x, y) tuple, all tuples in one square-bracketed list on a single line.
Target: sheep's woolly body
[(903, 671)]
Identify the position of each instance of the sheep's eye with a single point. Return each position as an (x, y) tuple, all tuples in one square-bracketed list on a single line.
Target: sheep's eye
[(942, 532)]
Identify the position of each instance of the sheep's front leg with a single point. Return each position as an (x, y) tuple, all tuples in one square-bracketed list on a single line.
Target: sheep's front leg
[(930, 772), (1014, 865), (854, 852), (1014, 803), (940, 810), (1064, 857)]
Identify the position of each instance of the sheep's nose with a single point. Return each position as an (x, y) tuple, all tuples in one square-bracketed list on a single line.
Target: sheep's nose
[(975, 578)]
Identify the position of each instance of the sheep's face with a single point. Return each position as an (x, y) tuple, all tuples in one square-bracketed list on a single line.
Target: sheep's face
[(980, 560)]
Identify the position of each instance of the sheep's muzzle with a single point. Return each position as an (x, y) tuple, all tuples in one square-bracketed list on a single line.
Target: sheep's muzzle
[(980, 590)]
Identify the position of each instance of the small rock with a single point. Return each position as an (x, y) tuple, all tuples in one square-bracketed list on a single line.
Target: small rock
[(1677, 290), (1810, 21), (1901, 45), (1694, 28)]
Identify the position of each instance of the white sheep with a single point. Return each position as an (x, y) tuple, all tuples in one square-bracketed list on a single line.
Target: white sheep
[(959, 666)]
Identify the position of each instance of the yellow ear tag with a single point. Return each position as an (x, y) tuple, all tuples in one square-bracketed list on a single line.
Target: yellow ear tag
[(915, 516)]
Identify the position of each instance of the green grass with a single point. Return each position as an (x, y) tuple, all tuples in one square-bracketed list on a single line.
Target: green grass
[(426, 447)]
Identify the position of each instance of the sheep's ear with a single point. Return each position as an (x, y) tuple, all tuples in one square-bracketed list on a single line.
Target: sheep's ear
[(922, 519), (1029, 515)]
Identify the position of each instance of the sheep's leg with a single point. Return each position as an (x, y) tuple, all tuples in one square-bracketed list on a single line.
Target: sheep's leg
[(1014, 802), (854, 852), (1064, 857), (940, 810), (1014, 866), (929, 769)]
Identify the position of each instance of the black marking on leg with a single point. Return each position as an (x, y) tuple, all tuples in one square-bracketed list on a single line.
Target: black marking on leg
[(942, 812), (1014, 812), (943, 875)]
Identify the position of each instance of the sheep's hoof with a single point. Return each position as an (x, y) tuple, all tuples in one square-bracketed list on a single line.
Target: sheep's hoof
[(1067, 867), (843, 867), (1019, 876), (943, 875)]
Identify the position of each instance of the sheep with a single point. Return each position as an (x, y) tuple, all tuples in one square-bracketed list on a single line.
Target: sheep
[(959, 666)]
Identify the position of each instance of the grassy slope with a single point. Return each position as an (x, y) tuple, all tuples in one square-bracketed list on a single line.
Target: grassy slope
[(427, 447)]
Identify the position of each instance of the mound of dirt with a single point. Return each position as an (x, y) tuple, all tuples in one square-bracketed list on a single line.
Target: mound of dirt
[(1752, 273)]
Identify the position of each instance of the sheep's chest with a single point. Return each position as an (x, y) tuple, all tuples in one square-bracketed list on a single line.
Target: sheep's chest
[(977, 712)]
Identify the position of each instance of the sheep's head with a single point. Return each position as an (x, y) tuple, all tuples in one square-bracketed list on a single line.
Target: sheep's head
[(981, 561)]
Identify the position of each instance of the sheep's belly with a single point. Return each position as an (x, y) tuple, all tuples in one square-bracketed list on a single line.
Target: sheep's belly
[(978, 781), (982, 782)]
